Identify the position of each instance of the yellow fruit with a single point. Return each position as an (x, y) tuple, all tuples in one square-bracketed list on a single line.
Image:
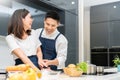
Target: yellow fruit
[(21, 67), (31, 73), (71, 65), (38, 72), (16, 76), (25, 76)]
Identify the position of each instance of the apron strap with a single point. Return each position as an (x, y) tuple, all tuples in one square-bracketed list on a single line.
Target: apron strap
[(41, 32), (57, 36)]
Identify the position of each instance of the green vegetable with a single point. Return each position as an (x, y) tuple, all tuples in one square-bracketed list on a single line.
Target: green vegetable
[(83, 66), (116, 61)]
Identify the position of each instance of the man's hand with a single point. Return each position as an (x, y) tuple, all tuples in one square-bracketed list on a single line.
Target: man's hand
[(47, 62), (42, 63)]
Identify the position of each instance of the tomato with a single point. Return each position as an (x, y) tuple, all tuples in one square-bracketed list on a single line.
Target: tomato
[(31, 73)]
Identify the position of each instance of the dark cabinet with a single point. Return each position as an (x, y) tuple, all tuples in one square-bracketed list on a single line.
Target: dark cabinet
[(105, 33), (114, 11), (99, 35), (99, 13), (105, 12), (100, 57), (114, 34)]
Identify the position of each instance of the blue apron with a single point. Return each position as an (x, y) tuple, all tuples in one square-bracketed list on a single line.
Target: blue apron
[(33, 58), (48, 49)]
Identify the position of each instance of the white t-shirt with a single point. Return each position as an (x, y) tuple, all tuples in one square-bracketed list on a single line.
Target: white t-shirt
[(28, 45), (61, 45)]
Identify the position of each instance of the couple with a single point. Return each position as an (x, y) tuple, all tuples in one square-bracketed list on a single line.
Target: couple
[(44, 47)]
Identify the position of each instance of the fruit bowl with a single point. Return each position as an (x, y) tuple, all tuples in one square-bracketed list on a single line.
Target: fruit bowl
[(72, 71)]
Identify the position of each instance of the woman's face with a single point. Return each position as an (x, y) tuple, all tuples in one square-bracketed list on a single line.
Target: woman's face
[(27, 22), (50, 25)]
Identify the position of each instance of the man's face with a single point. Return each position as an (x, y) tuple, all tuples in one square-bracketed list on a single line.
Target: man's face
[(50, 25)]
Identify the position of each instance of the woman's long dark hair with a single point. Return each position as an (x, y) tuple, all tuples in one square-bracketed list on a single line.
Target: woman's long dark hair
[(16, 25)]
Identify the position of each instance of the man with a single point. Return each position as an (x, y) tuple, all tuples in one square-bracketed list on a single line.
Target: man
[(54, 44)]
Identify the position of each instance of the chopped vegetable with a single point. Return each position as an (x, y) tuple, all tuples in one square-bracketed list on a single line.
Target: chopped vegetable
[(82, 65)]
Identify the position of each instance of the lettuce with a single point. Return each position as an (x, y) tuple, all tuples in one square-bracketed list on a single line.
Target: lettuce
[(83, 66)]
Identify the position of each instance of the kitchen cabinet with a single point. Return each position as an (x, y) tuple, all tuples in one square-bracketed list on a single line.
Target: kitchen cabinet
[(105, 32), (105, 12), (114, 34), (113, 11), (99, 59), (99, 35), (99, 13), (99, 56)]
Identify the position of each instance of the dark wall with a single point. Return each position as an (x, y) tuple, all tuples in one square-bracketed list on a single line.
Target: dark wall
[(4, 16), (38, 21), (71, 32), (4, 19)]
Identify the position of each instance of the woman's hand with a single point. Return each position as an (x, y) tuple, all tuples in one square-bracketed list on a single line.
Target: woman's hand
[(42, 63)]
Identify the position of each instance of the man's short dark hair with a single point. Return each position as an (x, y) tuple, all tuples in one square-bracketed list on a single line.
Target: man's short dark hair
[(53, 15)]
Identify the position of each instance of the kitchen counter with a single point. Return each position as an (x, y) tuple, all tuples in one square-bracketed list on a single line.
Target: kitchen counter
[(57, 75), (115, 76)]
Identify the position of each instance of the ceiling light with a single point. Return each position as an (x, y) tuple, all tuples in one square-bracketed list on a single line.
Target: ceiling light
[(114, 6), (72, 2)]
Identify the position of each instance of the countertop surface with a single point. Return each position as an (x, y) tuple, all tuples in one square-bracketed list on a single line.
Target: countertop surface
[(62, 76), (46, 75)]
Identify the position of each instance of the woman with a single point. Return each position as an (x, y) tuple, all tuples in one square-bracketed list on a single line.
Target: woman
[(23, 44)]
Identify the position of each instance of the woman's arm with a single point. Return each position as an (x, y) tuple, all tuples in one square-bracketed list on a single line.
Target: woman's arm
[(15, 49), (19, 53), (40, 58)]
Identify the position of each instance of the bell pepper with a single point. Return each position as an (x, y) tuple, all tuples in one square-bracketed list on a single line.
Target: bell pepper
[(31, 73)]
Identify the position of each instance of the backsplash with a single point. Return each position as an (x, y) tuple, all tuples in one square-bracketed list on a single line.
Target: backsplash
[(6, 58)]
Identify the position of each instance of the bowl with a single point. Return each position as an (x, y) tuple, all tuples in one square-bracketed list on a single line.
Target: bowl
[(73, 72)]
